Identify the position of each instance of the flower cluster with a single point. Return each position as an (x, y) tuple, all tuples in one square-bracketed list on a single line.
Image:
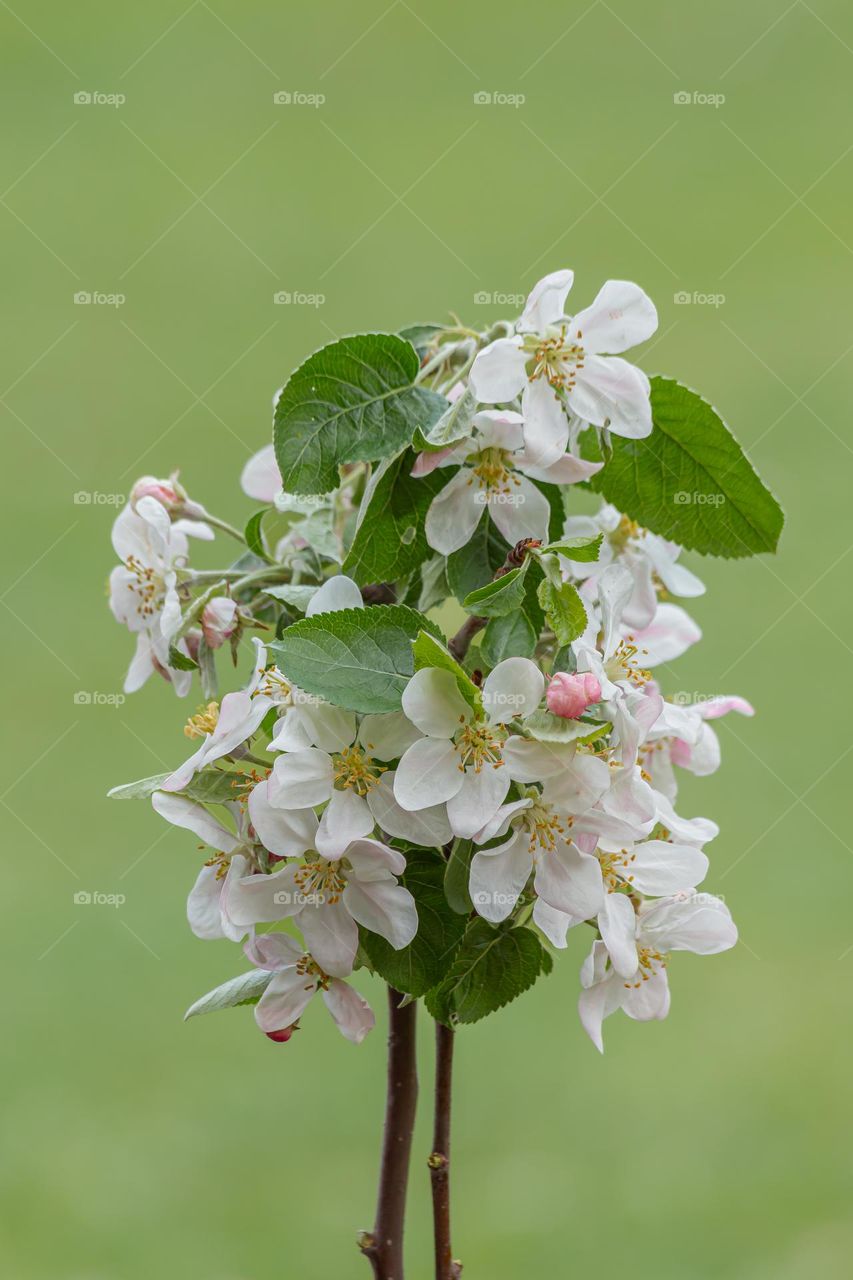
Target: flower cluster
[(374, 786)]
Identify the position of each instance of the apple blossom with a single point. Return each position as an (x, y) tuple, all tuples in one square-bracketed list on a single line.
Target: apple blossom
[(296, 979)]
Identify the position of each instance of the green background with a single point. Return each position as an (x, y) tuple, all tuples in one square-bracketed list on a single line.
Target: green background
[(715, 1144)]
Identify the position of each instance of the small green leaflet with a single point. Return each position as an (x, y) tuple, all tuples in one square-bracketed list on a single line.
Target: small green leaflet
[(351, 401), (457, 876), (690, 480), (431, 652), (453, 426), (254, 536), (513, 636), (359, 659), (585, 549), (421, 965), (492, 967), (420, 334), (546, 727), (389, 541), (504, 595), (298, 596), (477, 563), (211, 786), (564, 610), (244, 989)]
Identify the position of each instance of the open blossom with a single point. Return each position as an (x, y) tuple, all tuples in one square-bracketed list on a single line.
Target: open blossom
[(496, 474), (222, 728), (459, 760), (561, 365), (682, 736), (296, 979), (684, 922)]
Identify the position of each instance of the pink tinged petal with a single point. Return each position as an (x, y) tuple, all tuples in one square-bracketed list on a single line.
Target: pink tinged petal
[(671, 634), (566, 470), (261, 478), (689, 922), (339, 592), (514, 688), (345, 818), (262, 899), (182, 812), (433, 703), (647, 1001), (373, 860), (383, 907), (622, 316), (284, 1000), (546, 426), (203, 913), (498, 373), (498, 877), (426, 827), (546, 302), (712, 708), (352, 1014), (427, 775), (660, 868), (617, 924), (478, 800), (455, 513), (554, 924), (425, 463), (387, 736), (331, 935), (570, 881), (287, 833), (301, 779), (524, 512), (610, 392), (272, 951)]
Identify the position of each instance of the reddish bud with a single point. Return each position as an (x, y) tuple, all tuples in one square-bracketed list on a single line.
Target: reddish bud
[(570, 695)]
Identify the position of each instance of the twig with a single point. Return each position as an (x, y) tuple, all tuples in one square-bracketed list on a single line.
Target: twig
[(446, 1266)]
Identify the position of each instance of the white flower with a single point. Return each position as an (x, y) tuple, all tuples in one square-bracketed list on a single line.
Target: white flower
[(460, 760), (297, 977), (223, 729), (682, 736), (497, 475), (327, 900), (261, 478), (683, 922), (561, 365)]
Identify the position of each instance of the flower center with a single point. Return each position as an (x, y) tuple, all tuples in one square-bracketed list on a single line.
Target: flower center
[(203, 722), (307, 967), (222, 861), (322, 881), (479, 744), (545, 827), (272, 684), (147, 586), (356, 770), (615, 868), (624, 666), (650, 963), (494, 469), (557, 357)]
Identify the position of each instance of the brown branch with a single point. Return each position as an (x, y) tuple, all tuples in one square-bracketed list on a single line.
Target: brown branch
[(446, 1266), (384, 1245), (379, 593)]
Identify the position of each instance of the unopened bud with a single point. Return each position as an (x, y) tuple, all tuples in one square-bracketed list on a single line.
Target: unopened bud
[(219, 621), (570, 695), (282, 1036)]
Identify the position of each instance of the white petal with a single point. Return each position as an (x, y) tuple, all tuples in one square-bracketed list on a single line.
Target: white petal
[(649, 1000), (524, 512), (352, 1014), (696, 831), (570, 881), (428, 774), (477, 800), (689, 922), (203, 914), (337, 593), (617, 924), (262, 899), (272, 951), (615, 588), (554, 924), (498, 429), (386, 737), (454, 513), (580, 785), (286, 832), (514, 688), (427, 827), (345, 818), (373, 860), (610, 392), (498, 877), (301, 779), (546, 424), (383, 907), (670, 635), (498, 373), (621, 316), (546, 302), (182, 812), (331, 935), (327, 727), (261, 478), (433, 703), (531, 761), (661, 868), (284, 1000)]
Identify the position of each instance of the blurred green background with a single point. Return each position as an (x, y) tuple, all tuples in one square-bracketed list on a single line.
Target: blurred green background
[(713, 1145)]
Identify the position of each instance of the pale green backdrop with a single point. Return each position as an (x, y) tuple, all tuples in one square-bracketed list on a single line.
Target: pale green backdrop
[(714, 1145)]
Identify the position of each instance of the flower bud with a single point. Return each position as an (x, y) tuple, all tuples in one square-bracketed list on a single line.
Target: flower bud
[(282, 1036), (169, 493), (570, 695), (219, 621)]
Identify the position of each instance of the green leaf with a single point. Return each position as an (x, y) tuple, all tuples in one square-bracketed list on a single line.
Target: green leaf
[(513, 636), (389, 541), (584, 549), (690, 480), (457, 875), (504, 595), (244, 989), (210, 786), (180, 661), (477, 562), (143, 789), (352, 401), (420, 334), (421, 965), (455, 424), (254, 537), (546, 727), (434, 588), (564, 610), (431, 652), (297, 596), (491, 968), (359, 659)]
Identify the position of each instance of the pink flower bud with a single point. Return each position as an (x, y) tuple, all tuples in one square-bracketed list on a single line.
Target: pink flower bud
[(168, 493), (570, 695), (219, 621), (282, 1036)]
